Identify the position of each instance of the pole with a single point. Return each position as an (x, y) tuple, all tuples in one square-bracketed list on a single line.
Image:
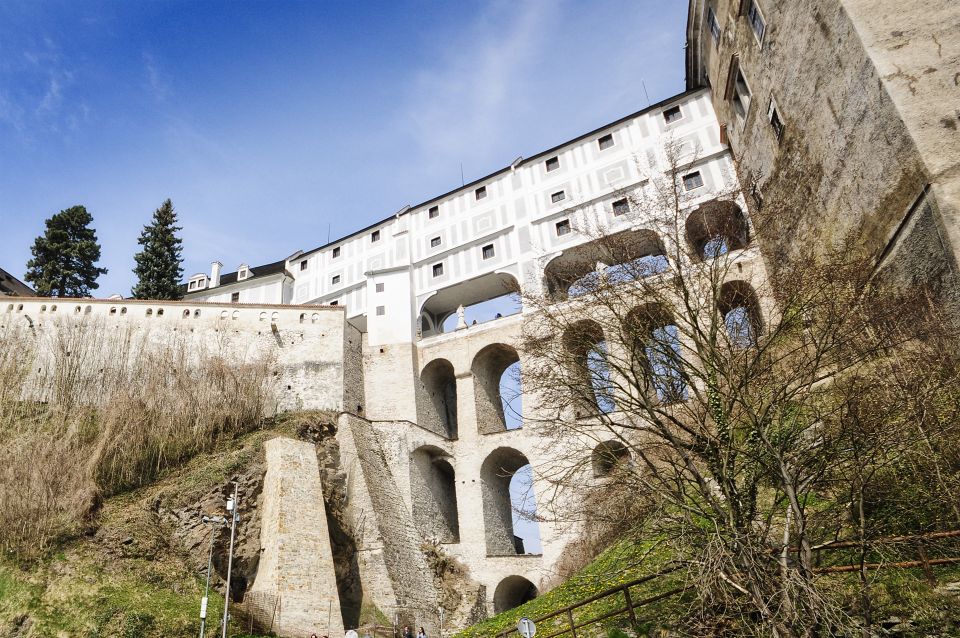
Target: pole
[(206, 591), (232, 508)]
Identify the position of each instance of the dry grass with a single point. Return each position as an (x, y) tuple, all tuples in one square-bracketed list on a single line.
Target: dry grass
[(87, 411)]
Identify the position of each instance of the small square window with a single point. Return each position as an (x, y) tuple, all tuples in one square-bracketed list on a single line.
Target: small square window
[(434, 242), (335, 280), (757, 23), (488, 251), (336, 252), (480, 193), (434, 212), (714, 26), (775, 122), (553, 164), (375, 235), (192, 285), (303, 264), (559, 196), (437, 270), (379, 287), (672, 114), (234, 297), (621, 207), (563, 227), (692, 181), (381, 311), (605, 142)]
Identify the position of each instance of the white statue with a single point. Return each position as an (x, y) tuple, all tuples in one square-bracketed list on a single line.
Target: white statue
[(461, 319)]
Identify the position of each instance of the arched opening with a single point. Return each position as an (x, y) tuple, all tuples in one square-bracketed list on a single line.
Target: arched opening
[(438, 412), (607, 457), (740, 310), (716, 228), (509, 504), (512, 592), (496, 380), (485, 298), (654, 340), (303, 317), (433, 487), (619, 258), (589, 365)]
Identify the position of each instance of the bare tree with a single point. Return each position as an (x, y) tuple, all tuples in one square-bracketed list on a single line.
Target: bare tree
[(744, 420)]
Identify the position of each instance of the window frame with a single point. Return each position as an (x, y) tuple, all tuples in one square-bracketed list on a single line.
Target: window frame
[(674, 107), (623, 203), (375, 236), (691, 174), (480, 193), (559, 196), (235, 297), (556, 166), (605, 142), (483, 252), (335, 280), (335, 252), (304, 264), (562, 228), (753, 12), (713, 24), (435, 241), (379, 287), (433, 212), (776, 121), (436, 270)]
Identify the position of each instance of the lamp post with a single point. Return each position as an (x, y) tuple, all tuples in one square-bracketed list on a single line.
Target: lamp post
[(234, 517), (219, 520)]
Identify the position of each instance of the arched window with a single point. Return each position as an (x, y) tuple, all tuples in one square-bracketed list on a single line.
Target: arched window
[(496, 380), (186, 313), (433, 487), (149, 312), (738, 305), (123, 310), (274, 317), (87, 310), (224, 314), (235, 315), (315, 317), (53, 308), (614, 259), (511, 592), (654, 340), (196, 313), (607, 457), (509, 504), (716, 228), (437, 409), (43, 308), (589, 365), (160, 312), (303, 317)]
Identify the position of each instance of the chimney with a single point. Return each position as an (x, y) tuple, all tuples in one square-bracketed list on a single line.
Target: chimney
[(215, 274)]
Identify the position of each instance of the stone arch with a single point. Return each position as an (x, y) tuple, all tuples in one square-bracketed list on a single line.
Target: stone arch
[(617, 258), (513, 591), (654, 341), (433, 489), (438, 412), (484, 298), (716, 228), (737, 303), (489, 367), (496, 473), (586, 346), (607, 456)]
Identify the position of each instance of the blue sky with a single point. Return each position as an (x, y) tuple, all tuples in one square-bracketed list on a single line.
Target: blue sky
[(265, 123)]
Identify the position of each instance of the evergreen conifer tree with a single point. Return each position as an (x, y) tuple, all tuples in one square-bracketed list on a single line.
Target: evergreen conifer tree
[(160, 264), (65, 256)]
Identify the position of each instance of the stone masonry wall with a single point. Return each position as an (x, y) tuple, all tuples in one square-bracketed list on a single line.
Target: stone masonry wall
[(296, 562)]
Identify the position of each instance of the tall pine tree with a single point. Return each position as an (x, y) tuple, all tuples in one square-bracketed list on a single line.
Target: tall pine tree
[(160, 264), (65, 257)]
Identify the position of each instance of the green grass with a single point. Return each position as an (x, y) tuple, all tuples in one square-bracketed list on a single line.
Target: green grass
[(87, 588), (620, 564)]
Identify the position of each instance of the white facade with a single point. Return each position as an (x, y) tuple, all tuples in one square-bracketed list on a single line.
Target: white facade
[(439, 245)]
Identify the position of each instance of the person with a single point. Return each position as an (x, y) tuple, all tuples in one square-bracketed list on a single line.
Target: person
[(313, 635), (422, 633), (407, 632)]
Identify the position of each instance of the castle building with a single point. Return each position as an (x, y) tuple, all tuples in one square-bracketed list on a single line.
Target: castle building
[(845, 116)]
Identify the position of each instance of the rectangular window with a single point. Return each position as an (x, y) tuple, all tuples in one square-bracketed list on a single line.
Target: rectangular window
[(692, 181), (234, 297), (434, 242), (672, 114), (192, 285), (303, 265), (379, 287), (480, 193), (381, 311), (375, 236), (559, 196), (605, 142), (487, 251), (563, 228), (434, 212), (553, 164), (741, 96), (437, 270), (336, 252), (757, 23), (335, 280), (621, 207), (714, 26), (775, 122)]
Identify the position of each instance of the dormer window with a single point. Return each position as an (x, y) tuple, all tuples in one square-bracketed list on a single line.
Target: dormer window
[(197, 282), (243, 272)]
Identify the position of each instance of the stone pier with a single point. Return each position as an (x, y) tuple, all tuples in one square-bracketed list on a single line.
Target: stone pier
[(296, 563)]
